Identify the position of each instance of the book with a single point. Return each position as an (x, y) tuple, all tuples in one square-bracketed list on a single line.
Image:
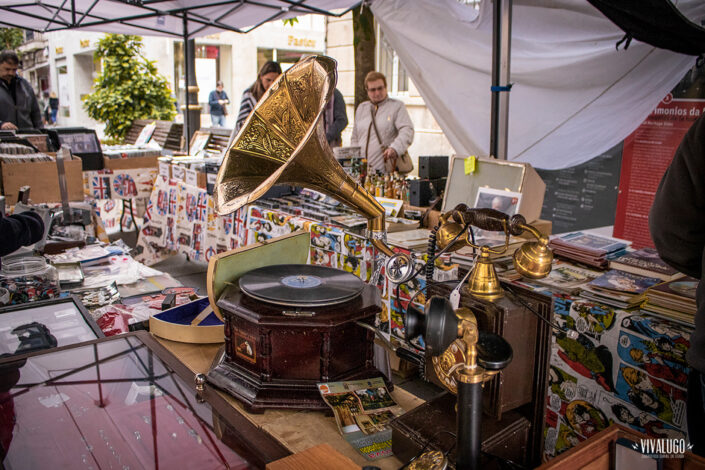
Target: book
[(645, 262), (363, 410)]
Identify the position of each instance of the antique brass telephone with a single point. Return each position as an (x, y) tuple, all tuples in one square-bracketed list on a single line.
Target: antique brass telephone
[(463, 357)]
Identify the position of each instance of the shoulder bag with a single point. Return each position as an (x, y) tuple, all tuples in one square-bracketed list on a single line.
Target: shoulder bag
[(404, 164)]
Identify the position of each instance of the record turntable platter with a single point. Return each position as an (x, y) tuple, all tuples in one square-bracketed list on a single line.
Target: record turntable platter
[(301, 285)]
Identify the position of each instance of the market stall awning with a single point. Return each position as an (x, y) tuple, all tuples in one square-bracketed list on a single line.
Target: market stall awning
[(160, 17), (574, 94)]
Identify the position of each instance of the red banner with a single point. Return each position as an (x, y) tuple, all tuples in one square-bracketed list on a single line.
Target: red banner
[(647, 153)]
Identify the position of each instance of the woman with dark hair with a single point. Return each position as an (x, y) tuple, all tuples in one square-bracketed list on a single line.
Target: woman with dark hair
[(266, 76)]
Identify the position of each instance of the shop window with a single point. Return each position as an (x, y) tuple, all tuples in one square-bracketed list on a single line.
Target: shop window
[(286, 58), (207, 70), (389, 64)]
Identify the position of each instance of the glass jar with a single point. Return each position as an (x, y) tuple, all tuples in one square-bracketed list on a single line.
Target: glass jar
[(29, 279)]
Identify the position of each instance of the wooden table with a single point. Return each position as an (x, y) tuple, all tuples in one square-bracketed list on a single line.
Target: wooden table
[(294, 429)]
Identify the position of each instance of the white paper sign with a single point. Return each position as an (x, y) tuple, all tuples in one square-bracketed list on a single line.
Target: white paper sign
[(178, 172), (191, 177)]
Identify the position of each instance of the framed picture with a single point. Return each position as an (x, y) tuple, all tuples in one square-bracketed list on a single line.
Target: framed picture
[(35, 326), (498, 199), (392, 207)]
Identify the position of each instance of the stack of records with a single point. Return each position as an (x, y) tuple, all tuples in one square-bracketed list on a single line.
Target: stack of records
[(618, 289), (673, 299), (587, 248), (645, 262)]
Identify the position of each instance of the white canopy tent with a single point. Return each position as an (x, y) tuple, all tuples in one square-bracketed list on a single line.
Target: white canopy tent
[(184, 19), (159, 17), (574, 95)]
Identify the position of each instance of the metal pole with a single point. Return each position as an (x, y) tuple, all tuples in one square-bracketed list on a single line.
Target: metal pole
[(469, 425), (501, 53), (187, 120)]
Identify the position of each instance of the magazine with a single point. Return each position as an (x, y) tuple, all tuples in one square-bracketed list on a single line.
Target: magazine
[(589, 243), (363, 410)]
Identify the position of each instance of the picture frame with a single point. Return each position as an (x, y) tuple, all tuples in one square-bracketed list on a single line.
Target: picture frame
[(498, 199), (35, 326), (392, 207)]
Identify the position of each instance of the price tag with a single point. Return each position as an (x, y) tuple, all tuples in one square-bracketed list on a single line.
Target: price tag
[(191, 177), (470, 164), (164, 169), (178, 172)]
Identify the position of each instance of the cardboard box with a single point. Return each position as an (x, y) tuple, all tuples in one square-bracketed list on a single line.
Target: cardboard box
[(130, 163), (43, 178), (516, 177)]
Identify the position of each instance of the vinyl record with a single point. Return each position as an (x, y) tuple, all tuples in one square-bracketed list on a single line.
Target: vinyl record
[(301, 285)]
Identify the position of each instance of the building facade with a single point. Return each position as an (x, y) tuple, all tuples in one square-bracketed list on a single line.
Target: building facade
[(63, 62)]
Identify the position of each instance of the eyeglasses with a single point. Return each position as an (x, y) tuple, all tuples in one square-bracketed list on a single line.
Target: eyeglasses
[(379, 88)]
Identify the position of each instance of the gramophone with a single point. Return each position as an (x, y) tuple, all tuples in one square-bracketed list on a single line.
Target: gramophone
[(463, 357), (287, 327)]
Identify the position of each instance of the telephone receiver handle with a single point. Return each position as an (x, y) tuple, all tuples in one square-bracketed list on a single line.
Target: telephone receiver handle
[(490, 219)]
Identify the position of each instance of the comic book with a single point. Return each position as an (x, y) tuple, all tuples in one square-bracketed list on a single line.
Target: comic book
[(363, 410)]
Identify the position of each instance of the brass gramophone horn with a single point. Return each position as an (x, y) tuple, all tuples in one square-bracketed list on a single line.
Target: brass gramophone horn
[(283, 142)]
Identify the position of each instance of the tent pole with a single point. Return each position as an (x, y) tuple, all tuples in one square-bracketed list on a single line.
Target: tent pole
[(185, 107), (501, 53)]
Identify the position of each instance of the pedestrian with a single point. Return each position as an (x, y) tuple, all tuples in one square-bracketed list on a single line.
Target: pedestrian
[(53, 106), (266, 76), (382, 128), (335, 119), (19, 108), (218, 101)]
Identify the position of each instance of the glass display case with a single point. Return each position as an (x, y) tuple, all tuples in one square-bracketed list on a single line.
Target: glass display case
[(121, 402)]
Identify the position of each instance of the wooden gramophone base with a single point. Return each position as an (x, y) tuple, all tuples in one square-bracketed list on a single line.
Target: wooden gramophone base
[(257, 396)]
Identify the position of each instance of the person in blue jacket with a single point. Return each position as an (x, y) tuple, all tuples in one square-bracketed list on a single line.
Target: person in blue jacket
[(218, 101)]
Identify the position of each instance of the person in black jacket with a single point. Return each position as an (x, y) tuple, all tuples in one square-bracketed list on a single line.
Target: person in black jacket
[(18, 104), (677, 225), (19, 230), (335, 119)]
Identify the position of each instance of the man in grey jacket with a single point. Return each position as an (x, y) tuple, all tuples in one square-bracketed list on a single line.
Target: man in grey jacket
[(396, 131), (18, 104)]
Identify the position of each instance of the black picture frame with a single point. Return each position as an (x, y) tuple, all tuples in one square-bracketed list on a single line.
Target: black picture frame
[(37, 331)]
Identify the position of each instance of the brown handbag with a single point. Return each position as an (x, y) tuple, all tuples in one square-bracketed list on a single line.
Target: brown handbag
[(404, 164)]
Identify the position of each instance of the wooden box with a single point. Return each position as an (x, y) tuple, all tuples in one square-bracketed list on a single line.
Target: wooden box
[(130, 163), (496, 174), (598, 453), (522, 384), (43, 178), (274, 357), (506, 438)]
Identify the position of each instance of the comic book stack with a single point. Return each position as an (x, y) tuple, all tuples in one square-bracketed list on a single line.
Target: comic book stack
[(618, 288), (674, 299), (587, 248), (645, 262)]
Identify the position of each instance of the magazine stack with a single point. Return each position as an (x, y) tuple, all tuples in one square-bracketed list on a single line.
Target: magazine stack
[(645, 262), (619, 289), (587, 248), (674, 299)]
